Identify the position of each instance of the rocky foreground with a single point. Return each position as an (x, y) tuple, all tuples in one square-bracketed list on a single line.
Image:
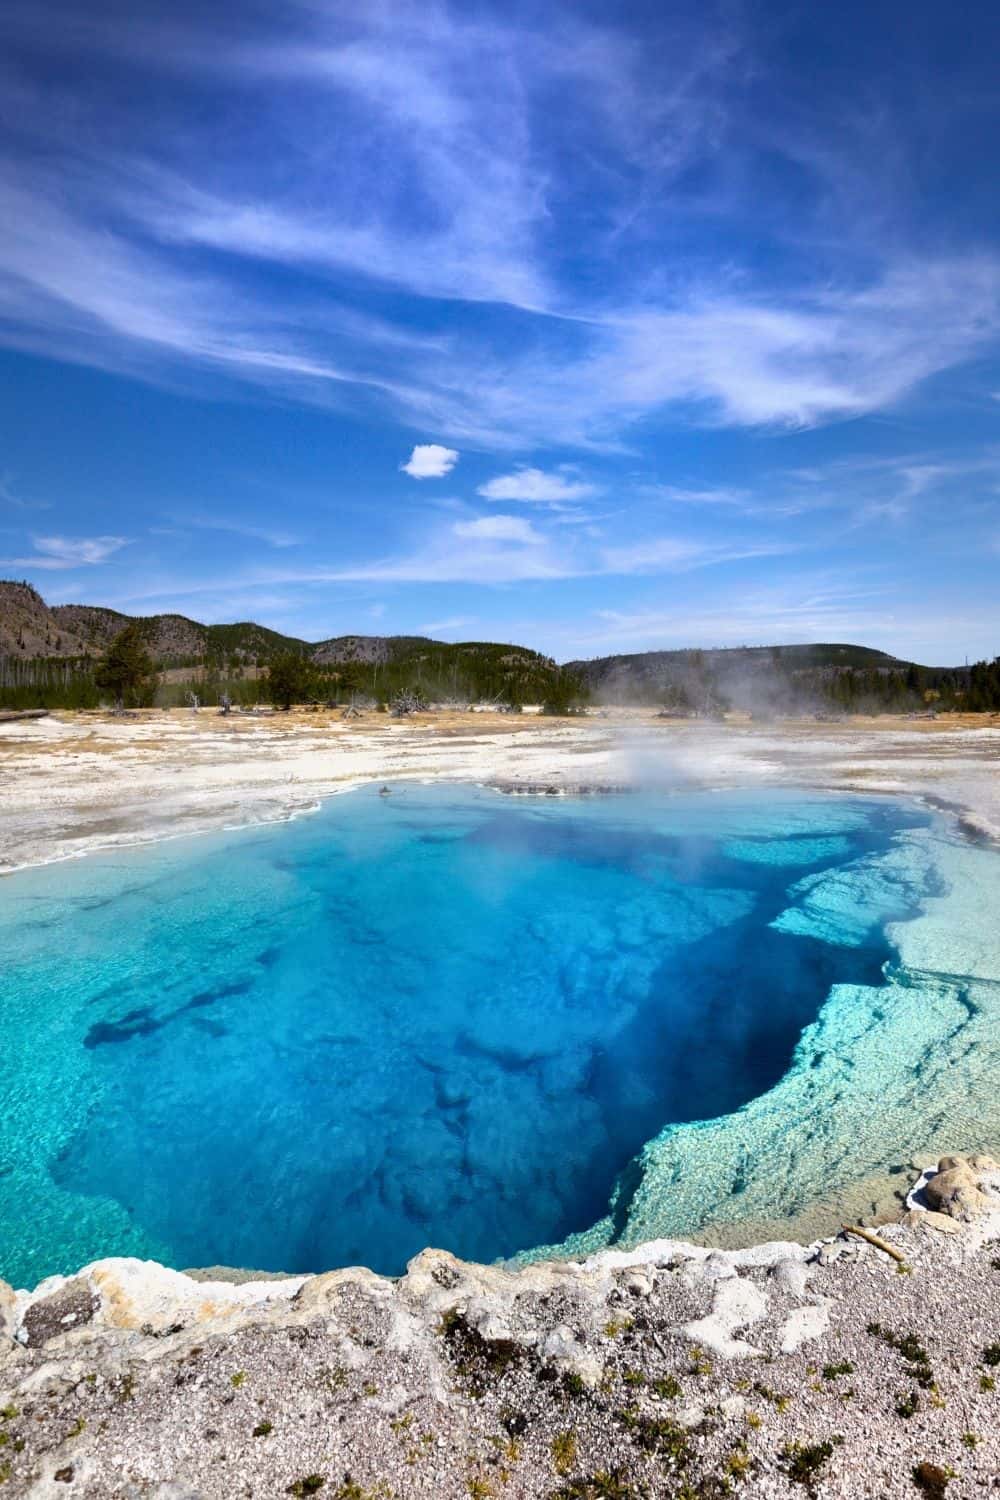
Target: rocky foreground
[(839, 1369)]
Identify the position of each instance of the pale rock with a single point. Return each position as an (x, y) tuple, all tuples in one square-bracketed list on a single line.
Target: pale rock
[(562, 1343), (764, 1257), (320, 1295), (394, 1400), (141, 1294), (8, 1307), (488, 1316), (350, 1355), (803, 1325), (563, 1349), (792, 1277), (47, 1377), (927, 1219), (737, 1304), (733, 1408), (651, 1252), (719, 1266), (496, 1330), (713, 1269)]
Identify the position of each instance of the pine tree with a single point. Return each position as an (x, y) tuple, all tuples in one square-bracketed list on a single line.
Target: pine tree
[(289, 679), (127, 669)]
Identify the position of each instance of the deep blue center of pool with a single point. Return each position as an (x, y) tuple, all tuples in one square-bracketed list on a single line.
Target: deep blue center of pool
[(439, 1017)]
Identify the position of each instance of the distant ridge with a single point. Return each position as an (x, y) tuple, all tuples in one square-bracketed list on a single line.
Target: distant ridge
[(765, 679), (826, 654), (31, 628), (48, 655)]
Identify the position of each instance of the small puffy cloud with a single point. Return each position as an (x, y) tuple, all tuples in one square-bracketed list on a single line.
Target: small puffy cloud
[(538, 486), (430, 461), (75, 551), (498, 529)]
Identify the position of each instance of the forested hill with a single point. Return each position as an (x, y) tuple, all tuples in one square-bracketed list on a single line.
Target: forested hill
[(48, 655), (31, 628), (646, 672), (784, 679)]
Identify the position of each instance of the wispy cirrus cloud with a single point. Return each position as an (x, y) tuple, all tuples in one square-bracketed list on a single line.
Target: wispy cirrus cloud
[(808, 608), (666, 554), (57, 553), (814, 608), (406, 166), (491, 551), (507, 549), (10, 495), (448, 626), (499, 529), (722, 494), (271, 536)]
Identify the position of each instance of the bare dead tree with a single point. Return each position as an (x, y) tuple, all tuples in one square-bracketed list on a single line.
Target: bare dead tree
[(406, 702)]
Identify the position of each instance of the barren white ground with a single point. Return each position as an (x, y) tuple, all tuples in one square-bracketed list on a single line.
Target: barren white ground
[(76, 782)]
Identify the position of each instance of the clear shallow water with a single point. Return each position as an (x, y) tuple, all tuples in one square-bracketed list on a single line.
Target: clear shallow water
[(439, 1017)]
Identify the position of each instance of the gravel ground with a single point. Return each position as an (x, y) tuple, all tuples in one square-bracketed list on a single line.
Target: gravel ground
[(673, 1371)]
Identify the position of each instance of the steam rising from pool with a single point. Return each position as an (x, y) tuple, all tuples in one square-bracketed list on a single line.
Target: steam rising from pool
[(447, 1017)]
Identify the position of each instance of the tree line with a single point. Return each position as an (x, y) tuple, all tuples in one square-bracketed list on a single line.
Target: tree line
[(435, 672), (128, 677)]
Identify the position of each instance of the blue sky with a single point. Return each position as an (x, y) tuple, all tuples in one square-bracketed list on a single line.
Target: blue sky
[(598, 327)]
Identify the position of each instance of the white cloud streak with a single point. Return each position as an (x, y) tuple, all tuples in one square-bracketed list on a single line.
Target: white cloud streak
[(57, 553), (810, 610), (499, 529)]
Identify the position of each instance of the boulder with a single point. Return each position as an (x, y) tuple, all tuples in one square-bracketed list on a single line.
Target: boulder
[(927, 1219), (955, 1188)]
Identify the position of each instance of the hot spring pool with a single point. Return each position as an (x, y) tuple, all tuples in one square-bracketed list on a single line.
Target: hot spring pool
[(441, 1016)]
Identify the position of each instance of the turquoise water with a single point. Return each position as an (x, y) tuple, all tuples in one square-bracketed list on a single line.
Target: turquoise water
[(437, 1017)]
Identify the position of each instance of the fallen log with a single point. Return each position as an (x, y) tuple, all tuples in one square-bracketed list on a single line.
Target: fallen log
[(877, 1241)]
